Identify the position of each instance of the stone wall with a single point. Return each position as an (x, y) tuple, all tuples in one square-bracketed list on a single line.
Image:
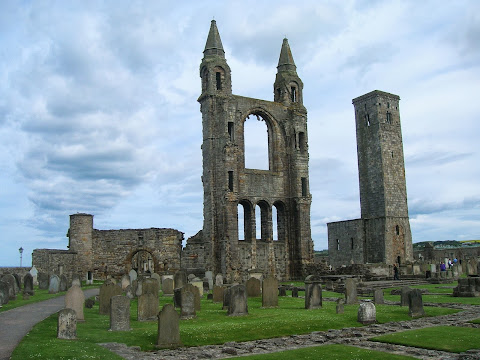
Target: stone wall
[(346, 242)]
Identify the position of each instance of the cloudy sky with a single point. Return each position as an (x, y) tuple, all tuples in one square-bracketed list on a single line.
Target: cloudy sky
[(98, 109)]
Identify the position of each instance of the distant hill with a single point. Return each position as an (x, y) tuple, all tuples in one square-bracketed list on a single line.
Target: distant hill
[(446, 244)]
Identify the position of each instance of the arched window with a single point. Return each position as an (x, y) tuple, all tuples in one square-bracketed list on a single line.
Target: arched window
[(245, 221), (256, 143), (263, 216), (397, 230), (279, 221)]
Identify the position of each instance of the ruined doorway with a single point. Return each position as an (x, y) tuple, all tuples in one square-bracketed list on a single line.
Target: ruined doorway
[(142, 262)]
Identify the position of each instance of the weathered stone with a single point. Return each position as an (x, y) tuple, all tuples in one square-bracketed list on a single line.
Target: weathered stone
[(295, 292), (54, 284), (4, 292), (133, 275), (28, 284), (367, 313), (180, 279), (209, 278), (415, 303), (253, 287), (67, 324), (404, 295), (34, 272), (313, 296), (210, 296), (157, 277), (147, 307), (89, 303), (378, 296), (188, 304), (340, 306), (150, 286), (129, 292), (10, 280), (270, 292), (63, 286), (467, 287), (238, 305), (219, 280), (196, 292), (107, 290), (177, 297), (168, 328), (18, 283), (125, 281), (350, 291), (217, 293), (198, 284), (226, 297), (43, 281), (76, 280), (282, 291), (119, 313), (75, 299)]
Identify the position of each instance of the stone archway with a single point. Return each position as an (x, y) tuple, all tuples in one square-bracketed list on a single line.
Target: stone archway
[(143, 262)]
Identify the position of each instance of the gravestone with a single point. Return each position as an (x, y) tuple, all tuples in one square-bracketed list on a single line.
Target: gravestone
[(119, 313), (177, 297), (149, 286), (156, 277), (238, 301), (378, 296), (18, 283), (42, 281), (210, 296), (89, 303), (313, 296), (340, 306), (209, 277), (107, 290), (295, 292), (4, 292), (329, 285), (67, 324), (187, 305), (168, 328), (125, 281), (34, 272), (190, 277), (133, 275), (198, 283), (226, 297), (54, 284), (404, 295), (129, 292), (75, 299), (415, 303), (367, 313), (467, 287), (63, 284), (179, 279), (219, 280), (147, 307), (28, 284), (10, 280), (196, 293), (253, 287), (350, 291), (270, 292), (282, 291), (217, 294), (76, 280), (138, 287)]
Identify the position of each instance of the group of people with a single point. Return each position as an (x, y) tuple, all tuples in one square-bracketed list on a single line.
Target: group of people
[(450, 264)]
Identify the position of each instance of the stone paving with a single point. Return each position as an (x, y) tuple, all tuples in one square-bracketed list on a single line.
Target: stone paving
[(358, 336)]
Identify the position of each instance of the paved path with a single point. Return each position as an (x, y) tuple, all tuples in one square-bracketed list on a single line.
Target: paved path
[(16, 323)]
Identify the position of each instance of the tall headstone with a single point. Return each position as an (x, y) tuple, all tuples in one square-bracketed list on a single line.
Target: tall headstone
[(219, 280), (42, 281), (404, 295), (75, 299), (54, 285), (253, 287), (4, 292), (270, 292), (28, 284), (179, 279), (125, 281), (198, 283), (238, 301), (367, 313), (10, 280), (313, 297), (107, 290), (129, 292), (217, 294), (67, 324), (167, 287), (196, 292), (34, 272), (350, 291), (187, 304), (415, 303), (177, 297), (295, 292), (156, 277), (150, 286), (282, 291), (147, 307), (168, 328), (76, 280), (18, 283), (226, 297), (133, 275), (378, 296), (63, 284), (209, 277), (340, 306), (119, 313)]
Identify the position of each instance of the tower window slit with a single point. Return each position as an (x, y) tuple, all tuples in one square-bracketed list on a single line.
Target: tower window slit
[(304, 186), (218, 77), (338, 244), (301, 140), (230, 180), (294, 93), (231, 131)]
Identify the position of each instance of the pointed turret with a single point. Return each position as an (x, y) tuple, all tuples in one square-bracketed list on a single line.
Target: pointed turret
[(214, 70), (288, 86)]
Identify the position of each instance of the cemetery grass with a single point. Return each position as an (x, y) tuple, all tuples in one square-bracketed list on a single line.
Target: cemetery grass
[(445, 338), (212, 326), (327, 352)]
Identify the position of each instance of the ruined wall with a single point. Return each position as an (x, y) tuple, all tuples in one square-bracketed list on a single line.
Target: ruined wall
[(346, 242), (52, 261)]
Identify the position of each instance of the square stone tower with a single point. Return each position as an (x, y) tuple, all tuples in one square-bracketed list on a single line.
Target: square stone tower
[(228, 185)]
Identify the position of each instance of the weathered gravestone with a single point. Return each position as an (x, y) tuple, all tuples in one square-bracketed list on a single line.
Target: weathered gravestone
[(378, 296), (219, 280), (404, 295), (190, 277), (156, 277), (119, 313), (125, 281), (187, 304), (198, 283), (54, 284), (133, 275), (4, 292), (350, 291), (42, 281), (18, 283), (329, 285), (76, 280), (150, 286), (10, 280), (28, 284), (340, 306), (67, 324), (34, 272), (177, 297), (415, 303), (468, 287), (313, 296), (367, 313), (270, 292), (295, 292), (195, 291), (75, 299), (179, 279), (226, 297), (210, 296), (107, 290), (282, 291), (168, 328), (217, 294), (147, 307), (238, 301), (63, 286), (253, 287), (209, 278), (89, 303), (129, 292)]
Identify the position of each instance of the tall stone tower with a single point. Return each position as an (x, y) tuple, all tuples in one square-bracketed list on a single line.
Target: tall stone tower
[(228, 185), (381, 168)]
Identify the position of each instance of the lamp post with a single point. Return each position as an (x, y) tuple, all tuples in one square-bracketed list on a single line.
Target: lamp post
[(21, 253)]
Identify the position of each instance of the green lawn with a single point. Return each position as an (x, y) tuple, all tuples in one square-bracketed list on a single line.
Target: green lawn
[(328, 352), (444, 338)]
